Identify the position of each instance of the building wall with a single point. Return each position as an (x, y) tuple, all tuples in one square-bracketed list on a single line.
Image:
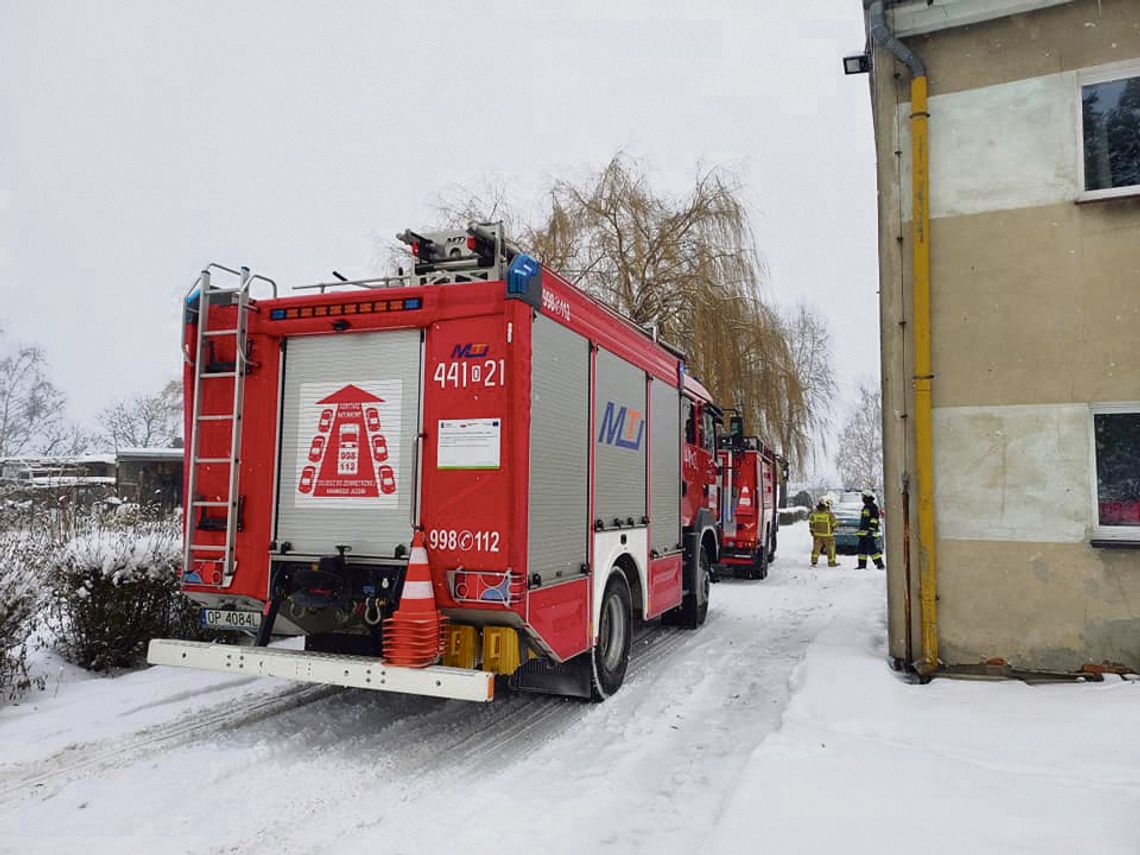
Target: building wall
[(1035, 317)]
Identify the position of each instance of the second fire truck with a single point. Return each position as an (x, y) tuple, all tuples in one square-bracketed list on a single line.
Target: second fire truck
[(754, 477)]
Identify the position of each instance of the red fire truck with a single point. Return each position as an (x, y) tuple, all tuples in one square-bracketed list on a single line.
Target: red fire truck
[(755, 477), (557, 461)]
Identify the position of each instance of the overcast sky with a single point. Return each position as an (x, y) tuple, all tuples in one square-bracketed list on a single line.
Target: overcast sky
[(140, 140)]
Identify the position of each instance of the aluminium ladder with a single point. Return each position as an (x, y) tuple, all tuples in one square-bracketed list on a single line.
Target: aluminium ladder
[(206, 370)]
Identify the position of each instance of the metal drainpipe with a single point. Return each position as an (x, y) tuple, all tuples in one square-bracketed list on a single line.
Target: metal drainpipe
[(881, 34)]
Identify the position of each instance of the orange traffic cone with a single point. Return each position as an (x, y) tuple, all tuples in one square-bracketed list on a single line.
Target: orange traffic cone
[(413, 635)]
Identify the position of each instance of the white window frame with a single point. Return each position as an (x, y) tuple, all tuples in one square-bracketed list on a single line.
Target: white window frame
[(1087, 77), (1111, 532)]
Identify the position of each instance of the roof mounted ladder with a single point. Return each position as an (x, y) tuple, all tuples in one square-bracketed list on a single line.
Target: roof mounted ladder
[(217, 559)]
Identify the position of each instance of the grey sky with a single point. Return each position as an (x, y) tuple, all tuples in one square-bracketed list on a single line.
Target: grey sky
[(139, 140)]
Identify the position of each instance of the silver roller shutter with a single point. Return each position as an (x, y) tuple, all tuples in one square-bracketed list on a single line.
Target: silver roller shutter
[(619, 441), (350, 416), (559, 448), (665, 454)]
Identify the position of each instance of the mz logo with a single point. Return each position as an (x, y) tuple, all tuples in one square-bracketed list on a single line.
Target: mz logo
[(622, 427), (471, 350)]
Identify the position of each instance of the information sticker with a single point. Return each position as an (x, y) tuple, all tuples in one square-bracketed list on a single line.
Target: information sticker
[(468, 444)]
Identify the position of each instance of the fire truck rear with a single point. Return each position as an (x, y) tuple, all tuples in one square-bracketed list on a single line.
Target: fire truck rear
[(754, 476), (479, 406)]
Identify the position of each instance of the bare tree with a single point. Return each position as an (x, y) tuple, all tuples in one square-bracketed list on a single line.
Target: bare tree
[(144, 421), (686, 266), (32, 408), (809, 341), (860, 455)]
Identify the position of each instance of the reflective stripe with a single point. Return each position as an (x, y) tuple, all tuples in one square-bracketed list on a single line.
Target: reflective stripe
[(417, 591)]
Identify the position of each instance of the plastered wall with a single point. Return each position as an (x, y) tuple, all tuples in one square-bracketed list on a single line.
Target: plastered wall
[(1035, 317)]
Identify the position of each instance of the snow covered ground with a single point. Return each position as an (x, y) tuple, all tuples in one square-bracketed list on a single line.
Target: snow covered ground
[(776, 727)]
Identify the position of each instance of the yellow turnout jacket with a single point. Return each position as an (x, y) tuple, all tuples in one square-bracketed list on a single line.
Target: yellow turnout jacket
[(822, 523)]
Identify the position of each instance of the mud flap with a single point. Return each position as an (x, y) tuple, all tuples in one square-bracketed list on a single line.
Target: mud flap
[(572, 678), (277, 588)]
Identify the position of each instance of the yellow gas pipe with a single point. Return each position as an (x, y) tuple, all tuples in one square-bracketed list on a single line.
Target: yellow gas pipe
[(923, 375), (923, 379)]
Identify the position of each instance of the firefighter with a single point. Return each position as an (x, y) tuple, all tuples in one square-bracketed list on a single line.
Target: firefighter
[(869, 532), (823, 533)]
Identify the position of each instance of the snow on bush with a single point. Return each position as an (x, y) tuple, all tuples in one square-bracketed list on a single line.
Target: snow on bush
[(113, 588), (24, 554), (794, 514)]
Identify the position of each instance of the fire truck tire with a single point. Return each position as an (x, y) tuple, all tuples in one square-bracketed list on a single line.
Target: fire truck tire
[(759, 568), (694, 608), (615, 636)]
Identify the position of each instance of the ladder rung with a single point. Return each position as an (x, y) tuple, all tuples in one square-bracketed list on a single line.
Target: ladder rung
[(210, 504), (208, 547), (228, 417), (212, 460), (220, 332), (205, 374)]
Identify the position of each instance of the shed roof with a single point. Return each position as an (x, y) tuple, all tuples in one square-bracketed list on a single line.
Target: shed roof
[(170, 454)]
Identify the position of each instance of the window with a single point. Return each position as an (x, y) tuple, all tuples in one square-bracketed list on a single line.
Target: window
[(1110, 131), (1116, 447), (708, 431)]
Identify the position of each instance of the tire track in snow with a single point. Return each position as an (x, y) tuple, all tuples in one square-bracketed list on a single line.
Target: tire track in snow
[(422, 743), (535, 719), (190, 693), (487, 758), (47, 775), (460, 742), (657, 646)]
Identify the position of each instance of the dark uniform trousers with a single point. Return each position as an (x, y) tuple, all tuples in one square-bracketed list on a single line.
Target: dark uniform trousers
[(869, 538)]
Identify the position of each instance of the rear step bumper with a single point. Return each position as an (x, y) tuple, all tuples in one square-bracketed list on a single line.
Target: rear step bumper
[(358, 672)]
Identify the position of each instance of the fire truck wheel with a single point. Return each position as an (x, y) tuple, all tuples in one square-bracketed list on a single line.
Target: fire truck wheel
[(704, 583), (759, 568), (615, 635), (694, 607)]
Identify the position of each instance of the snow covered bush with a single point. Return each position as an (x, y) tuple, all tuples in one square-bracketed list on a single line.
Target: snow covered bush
[(794, 514), (113, 588), (25, 554)]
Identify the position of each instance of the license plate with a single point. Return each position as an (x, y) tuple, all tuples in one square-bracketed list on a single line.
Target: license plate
[(229, 619)]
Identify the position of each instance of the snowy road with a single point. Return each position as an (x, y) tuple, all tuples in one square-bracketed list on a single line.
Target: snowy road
[(174, 761)]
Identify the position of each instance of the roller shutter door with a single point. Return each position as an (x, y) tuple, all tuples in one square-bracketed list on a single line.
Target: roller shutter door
[(619, 441), (350, 416), (665, 454), (559, 449)]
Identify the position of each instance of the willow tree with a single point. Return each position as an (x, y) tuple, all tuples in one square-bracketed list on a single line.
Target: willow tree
[(809, 338), (685, 266)]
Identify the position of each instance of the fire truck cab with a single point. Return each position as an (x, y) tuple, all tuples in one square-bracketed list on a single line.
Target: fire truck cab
[(557, 460)]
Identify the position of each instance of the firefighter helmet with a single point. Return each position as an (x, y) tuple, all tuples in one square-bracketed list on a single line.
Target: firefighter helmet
[(867, 494)]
